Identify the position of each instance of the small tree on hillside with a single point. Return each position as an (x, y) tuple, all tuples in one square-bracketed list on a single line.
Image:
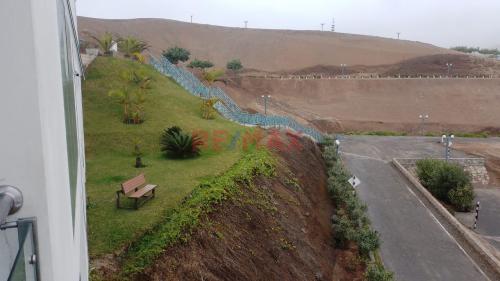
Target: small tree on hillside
[(130, 45), (105, 42), (234, 65), (196, 63), (176, 54), (207, 107)]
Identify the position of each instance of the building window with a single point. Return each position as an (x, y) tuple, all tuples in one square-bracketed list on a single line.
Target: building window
[(69, 100)]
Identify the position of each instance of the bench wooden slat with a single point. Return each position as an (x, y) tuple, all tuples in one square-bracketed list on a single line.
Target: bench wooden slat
[(139, 193), (132, 184)]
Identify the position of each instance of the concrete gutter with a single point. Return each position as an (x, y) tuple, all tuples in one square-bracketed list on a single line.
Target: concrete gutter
[(468, 236)]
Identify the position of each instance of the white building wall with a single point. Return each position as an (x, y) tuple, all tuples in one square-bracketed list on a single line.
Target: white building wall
[(33, 153)]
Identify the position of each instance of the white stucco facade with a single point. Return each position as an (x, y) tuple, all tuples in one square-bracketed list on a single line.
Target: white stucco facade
[(41, 149)]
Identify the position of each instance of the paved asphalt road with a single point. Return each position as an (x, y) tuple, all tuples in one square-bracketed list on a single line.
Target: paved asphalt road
[(414, 244), (489, 215)]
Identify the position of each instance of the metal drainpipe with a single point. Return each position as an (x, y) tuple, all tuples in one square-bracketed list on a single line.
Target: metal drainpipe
[(11, 200)]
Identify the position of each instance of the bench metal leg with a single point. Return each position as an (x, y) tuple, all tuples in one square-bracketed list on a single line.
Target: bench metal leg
[(136, 205), (118, 200)]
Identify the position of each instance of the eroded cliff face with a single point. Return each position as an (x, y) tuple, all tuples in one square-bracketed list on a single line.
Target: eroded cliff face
[(277, 229)]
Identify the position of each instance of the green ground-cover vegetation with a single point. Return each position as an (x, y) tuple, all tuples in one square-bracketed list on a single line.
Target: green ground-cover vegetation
[(178, 223), (111, 150), (350, 222)]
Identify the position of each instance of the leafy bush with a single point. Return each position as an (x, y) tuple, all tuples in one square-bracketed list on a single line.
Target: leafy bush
[(377, 272), (200, 64), (426, 170), (176, 54), (368, 241), (450, 176), (234, 65), (462, 198), (177, 144), (211, 76), (343, 228), (447, 182)]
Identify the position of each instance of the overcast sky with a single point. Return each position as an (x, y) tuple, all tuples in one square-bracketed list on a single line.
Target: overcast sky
[(444, 23)]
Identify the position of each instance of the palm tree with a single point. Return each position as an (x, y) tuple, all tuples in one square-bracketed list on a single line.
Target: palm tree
[(124, 97), (130, 46), (105, 42), (207, 107)]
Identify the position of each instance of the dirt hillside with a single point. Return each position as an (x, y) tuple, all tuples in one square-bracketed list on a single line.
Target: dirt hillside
[(269, 50), (461, 105), (278, 229)]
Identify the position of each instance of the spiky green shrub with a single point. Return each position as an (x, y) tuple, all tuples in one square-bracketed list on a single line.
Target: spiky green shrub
[(177, 144), (176, 54)]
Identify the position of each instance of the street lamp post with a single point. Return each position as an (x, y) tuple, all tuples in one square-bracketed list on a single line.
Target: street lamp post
[(342, 67), (423, 117), (446, 139), (265, 97), (449, 65)]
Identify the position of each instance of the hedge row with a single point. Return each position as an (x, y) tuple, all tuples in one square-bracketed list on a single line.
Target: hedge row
[(350, 222)]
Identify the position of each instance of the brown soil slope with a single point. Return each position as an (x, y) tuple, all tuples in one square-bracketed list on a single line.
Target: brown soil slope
[(379, 104), (278, 229), (269, 50)]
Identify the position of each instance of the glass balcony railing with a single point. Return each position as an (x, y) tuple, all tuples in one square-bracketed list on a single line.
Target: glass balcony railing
[(25, 265)]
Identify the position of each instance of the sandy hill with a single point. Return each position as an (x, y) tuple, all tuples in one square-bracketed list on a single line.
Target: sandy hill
[(269, 50)]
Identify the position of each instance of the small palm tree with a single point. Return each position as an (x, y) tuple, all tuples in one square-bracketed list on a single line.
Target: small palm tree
[(140, 99), (130, 45), (177, 144), (124, 97), (105, 42), (207, 106), (141, 80)]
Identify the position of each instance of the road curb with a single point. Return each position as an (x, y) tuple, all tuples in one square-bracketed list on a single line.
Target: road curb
[(468, 236)]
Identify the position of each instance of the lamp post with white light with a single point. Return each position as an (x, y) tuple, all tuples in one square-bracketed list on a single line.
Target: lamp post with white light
[(342, 68), (449, 65), (446, 139), (265, 97), (422, 118)]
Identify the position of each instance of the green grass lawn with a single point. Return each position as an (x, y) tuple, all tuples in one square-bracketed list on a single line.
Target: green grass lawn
[(109, 145)]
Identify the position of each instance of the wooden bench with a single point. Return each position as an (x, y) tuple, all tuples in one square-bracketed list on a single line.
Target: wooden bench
[(136, 189)]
